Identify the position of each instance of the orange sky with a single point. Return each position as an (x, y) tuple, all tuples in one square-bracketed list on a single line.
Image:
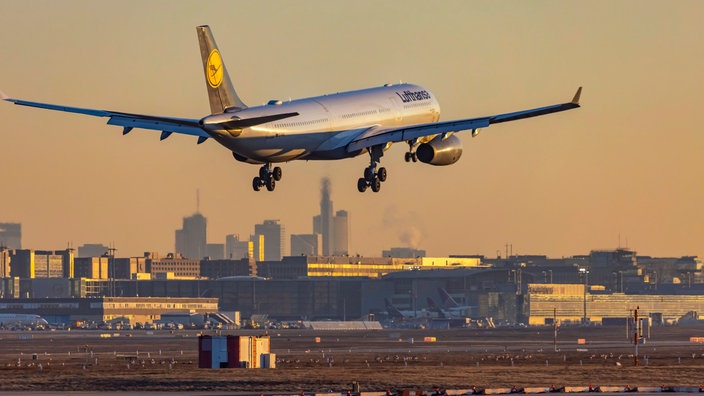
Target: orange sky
[(628, 163)]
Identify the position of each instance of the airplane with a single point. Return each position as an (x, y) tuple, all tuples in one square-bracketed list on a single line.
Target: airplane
[(329, 127), (452, 308), (398, 314), (12, 319)]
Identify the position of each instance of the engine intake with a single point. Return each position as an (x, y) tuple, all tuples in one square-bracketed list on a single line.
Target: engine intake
[(439, 151)]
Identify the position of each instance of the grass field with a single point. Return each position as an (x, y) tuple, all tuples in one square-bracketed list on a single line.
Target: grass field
[(377, 360)]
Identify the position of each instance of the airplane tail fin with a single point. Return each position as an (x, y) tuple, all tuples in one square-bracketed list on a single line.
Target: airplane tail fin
[(434, 308), (392, 311), (447, 299), (221, 93)]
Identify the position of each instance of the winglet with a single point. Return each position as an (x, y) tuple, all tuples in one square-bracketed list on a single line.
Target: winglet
[(3, 96), (575, 100)]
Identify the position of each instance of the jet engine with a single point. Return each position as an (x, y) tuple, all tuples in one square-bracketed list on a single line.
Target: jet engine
[(439, 151)]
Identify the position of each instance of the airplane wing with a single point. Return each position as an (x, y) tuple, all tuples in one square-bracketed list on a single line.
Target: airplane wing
[(167, 125), (379, 136)]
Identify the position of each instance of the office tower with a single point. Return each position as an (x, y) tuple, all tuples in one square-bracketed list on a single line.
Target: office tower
[(341, 233), (216, 251), (335, 229), (11, 235), (26, 263), (236, 249), (191, 239), (274, 239), (305, 244), (258, 244), (92, 250), (4, 262), (326, 221)]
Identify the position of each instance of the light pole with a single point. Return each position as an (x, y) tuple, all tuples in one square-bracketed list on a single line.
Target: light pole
[(584, 272)]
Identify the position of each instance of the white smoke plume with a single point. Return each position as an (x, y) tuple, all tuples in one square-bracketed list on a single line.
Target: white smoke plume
[(406, 226)]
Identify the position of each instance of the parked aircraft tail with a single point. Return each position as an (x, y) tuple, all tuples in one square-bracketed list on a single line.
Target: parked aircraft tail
[(432, 307), (447, 300), (221, 92), (393, 311)]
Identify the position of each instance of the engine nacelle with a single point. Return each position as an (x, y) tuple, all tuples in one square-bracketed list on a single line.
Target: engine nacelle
[(439, 151)]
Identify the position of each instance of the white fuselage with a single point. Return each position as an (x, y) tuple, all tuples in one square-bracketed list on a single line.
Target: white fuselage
[(7, 319), (325, 124)]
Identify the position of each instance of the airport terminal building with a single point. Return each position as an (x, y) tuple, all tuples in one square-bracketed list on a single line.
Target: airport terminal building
[(106, 309), (521, 289)]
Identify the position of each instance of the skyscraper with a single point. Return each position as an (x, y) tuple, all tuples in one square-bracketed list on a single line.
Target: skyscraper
[(340, 246), (333, 229), (11, 235), (236, 249), (191, 239), (305, 244), (274, 239), (326, 222)]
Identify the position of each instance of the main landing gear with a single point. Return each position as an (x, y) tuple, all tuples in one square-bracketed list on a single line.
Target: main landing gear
[(411, 154), (267, 177), (373, 177)]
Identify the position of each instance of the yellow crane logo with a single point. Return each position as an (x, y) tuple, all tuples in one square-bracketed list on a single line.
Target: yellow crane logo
[(213, 69)]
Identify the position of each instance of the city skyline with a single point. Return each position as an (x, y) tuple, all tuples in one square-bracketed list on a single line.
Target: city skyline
[(621, 168)]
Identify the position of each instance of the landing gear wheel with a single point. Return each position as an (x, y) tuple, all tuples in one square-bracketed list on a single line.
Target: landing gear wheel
[(270, 184), (256, 183), (361, 184), (369, 174), (264, 173), (408, 156), (414, 157), (276, 173), (381, 174), (376, 185)]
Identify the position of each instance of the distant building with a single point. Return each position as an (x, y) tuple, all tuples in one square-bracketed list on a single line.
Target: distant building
[(403, 252), (258, 244), (11, 235), (173, 265), (99, 308), (91, 267), (334, 230), (215, 251), (191, 239), (326, 219), (274, 238), (611, 268), (305, 244), (27, 263), (92, 250), (4, 262), (216, 269), (341, 231), (127, 268), (236, 249)]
